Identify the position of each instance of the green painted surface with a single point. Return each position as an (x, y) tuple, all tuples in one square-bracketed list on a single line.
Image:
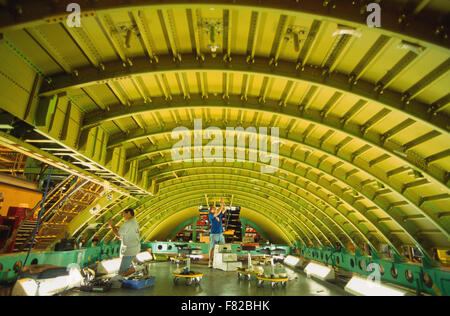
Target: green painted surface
[(82, 257), (357, 263), (182, 225), (365, 265), (246, 222)]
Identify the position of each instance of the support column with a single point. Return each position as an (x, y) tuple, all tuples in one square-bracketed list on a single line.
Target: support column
[(194, 230)]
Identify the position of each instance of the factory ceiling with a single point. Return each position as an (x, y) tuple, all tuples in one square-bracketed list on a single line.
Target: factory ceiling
[(362, 112)]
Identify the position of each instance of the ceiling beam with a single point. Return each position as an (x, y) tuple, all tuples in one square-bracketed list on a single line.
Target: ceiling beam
[(34, 13), (270, 107), (194, 201), (250, 181), (409, 228), (163, 203), (266, 207), (276, 201), (391, 100), (167, 148)]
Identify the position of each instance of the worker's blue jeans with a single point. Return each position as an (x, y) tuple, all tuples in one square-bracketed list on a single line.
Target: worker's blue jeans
[(126, 263)]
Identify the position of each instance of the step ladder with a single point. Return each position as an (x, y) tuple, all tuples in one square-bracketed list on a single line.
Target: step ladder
[(66, 201), (53, 197), (81, 195), (25, 230), (25, 234)]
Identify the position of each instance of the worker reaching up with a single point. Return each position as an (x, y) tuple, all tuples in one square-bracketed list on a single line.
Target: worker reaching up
[(216, 233)]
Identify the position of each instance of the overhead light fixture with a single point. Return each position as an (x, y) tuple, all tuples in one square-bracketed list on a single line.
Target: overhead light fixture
[(319, 271), (364, 287), (346, 30), (412, 47), (213, 48), (213, 28)]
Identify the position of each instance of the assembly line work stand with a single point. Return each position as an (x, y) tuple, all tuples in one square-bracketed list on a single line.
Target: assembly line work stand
[(262, 260), (251, 270), (274, 279), (181, 256), (186, 273)]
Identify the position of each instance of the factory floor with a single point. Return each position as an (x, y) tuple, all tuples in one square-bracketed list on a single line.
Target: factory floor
[(220, 283)]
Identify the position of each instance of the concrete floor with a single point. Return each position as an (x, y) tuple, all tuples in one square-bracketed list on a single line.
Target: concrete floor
[(220, 283)]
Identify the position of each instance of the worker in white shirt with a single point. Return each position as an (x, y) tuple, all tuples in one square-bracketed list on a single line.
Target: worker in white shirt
[(130, 241)]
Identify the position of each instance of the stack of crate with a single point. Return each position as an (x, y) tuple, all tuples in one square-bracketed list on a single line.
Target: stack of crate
[(233, 223)]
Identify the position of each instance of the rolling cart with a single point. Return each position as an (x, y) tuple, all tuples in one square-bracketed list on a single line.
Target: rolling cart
[(189, 276), (181, 256), (251, 270), (273, 278)]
